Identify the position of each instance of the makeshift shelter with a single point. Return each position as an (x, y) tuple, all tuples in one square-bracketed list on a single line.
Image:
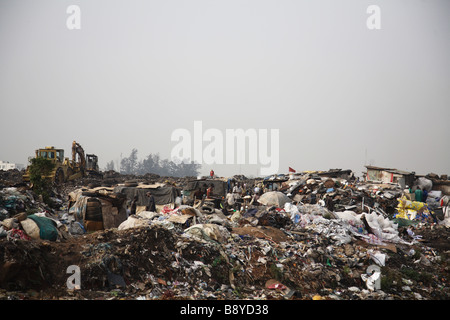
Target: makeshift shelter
[(106, 205), (389, 175), (220, 187), (164, 195), (275, 182)]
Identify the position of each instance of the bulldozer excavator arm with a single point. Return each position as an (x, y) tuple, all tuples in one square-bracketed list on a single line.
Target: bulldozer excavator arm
[(77, 149)]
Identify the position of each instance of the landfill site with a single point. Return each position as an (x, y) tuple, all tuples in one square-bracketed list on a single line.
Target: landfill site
[(243, 155), (312, 235)]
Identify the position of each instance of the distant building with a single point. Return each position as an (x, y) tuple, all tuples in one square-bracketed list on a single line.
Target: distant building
[(390, 175), (9, 166)]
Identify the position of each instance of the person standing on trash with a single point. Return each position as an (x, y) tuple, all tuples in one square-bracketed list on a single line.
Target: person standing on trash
[(237, 193), (419, 194), (229, 185), (204, 189), (230, 200), (133, 205), (237, 190), (255, 198), (209, 192), (424, 195), (151, 203), (211, 173), (198, 195)]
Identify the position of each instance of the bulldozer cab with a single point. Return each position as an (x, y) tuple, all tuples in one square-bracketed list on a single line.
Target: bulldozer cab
[(62, 168), (91, 162), (92, 168), (51, 153)]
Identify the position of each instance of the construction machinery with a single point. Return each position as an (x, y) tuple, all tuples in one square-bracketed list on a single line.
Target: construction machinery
[(65, 169), (92, 168)]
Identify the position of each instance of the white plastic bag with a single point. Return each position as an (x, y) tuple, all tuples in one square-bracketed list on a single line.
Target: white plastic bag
[(31, 228)]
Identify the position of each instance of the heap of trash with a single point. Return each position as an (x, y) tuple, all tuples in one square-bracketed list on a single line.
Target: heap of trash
[(308, 236)]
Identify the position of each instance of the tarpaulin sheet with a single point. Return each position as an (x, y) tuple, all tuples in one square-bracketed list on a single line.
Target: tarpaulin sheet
[(412, 210), (47, 228), (162, 195), (220, 187)]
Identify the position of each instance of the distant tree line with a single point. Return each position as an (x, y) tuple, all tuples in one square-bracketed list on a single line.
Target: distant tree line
[(154, 164)]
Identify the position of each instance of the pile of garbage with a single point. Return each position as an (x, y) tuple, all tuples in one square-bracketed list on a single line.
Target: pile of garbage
[(11, 178), (315, 238)]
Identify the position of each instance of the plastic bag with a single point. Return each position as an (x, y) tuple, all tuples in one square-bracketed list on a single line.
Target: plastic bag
[(47, 228), (371, 280), (31, 228)]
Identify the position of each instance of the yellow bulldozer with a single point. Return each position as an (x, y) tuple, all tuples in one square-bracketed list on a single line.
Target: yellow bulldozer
[(65, 169)]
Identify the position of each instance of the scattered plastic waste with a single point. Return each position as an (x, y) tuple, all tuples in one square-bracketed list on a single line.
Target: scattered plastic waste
[(320, 238)]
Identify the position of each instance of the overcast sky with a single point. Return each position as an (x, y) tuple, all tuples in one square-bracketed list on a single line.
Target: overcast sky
[(342, 95)]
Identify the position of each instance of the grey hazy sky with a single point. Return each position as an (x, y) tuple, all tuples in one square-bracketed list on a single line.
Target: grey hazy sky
[(341, 95)]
